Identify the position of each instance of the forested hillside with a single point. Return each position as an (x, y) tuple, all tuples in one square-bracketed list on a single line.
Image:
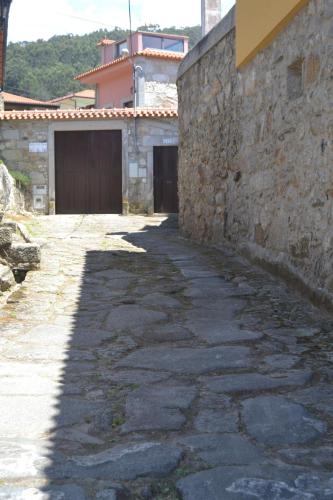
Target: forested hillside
[(45, 69)]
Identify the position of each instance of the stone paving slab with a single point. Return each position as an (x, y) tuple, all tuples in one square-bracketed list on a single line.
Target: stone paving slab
[(275, 420), (49, 493), (184, 360), (260, 482), (123, 462), (247, 382), (223, 449), (136, 365), (158, 407)]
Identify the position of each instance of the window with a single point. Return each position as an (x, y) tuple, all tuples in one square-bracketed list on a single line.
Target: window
[(162, 43), (173, 45), (120, 47), (152, 42), (128, 104)]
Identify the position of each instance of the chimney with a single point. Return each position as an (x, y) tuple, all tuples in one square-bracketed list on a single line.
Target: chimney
[(210, 14)]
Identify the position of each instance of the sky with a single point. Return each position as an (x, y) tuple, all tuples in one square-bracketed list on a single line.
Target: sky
[(41, 19)]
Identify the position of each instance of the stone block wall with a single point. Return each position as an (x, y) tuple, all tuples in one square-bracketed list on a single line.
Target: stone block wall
[(158, 83), (256, 146), (15, 138), (149, 133), (139, 138)]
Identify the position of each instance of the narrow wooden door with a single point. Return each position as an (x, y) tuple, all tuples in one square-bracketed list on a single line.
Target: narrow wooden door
[(166, 179), (88, 166)]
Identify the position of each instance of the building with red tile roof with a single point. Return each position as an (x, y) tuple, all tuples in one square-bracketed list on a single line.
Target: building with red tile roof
[(140, 71), (120, 156), (18, 102), (76, 100)]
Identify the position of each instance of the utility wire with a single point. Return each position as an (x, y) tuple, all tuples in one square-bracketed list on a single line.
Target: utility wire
[(91, 21)]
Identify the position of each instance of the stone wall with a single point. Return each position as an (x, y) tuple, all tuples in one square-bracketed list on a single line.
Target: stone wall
[(139, 138), (158, 83), (15, 138), (149, 133), (256, 146)]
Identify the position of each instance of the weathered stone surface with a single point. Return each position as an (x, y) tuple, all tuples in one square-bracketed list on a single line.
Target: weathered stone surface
[(215, 331), (281, 361), (258, 481), (167, 333), (9, 195), (42, 414), (47, 493), (320, 397), (160, 300), (232, 194), (219, 310), (188, 360), (81, 337), (109, 275), (6, 237), (276, 421), (114, 491), (6, 278), (216, 421), (25, 255), (158, 407), (61, 379), (103, 420), (29, 379), (227, 449), (322, 456), (131, 317), (209, 287), (289, 334), (137, 376), (77, 436), (192, 271), (108, 495), (126, 462), (256, 381), (22, 458)]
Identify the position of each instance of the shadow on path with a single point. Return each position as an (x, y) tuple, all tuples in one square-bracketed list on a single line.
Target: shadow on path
[(188, 367)]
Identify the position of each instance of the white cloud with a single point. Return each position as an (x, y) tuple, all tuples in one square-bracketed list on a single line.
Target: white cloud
[(34, 19)]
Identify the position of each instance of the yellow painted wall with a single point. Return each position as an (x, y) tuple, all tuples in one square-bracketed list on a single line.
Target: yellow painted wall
[(258, 22)]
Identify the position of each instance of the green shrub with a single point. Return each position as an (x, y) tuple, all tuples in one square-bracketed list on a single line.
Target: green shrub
[(21, 178)]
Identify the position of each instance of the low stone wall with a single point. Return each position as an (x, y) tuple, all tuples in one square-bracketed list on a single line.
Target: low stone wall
[(15, 138), (18, 255), (256, 146)]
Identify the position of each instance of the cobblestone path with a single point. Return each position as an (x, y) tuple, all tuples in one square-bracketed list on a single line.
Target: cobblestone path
[(137, 365)]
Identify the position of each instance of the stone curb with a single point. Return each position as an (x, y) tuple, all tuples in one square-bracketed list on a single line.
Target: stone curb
[(280, 266)]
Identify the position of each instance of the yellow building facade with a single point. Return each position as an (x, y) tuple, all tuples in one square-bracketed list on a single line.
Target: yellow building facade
[(258, 22)]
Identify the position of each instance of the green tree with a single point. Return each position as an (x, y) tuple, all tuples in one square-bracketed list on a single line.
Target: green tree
[(45, 69)]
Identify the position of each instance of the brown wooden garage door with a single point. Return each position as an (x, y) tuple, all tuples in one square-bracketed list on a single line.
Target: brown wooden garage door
[(166, 179), (88, 168)]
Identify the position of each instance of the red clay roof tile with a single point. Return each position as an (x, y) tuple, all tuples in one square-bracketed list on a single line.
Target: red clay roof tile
[(105, 41), (89, 114), (153, 53), (84, 94), (19, 99)]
